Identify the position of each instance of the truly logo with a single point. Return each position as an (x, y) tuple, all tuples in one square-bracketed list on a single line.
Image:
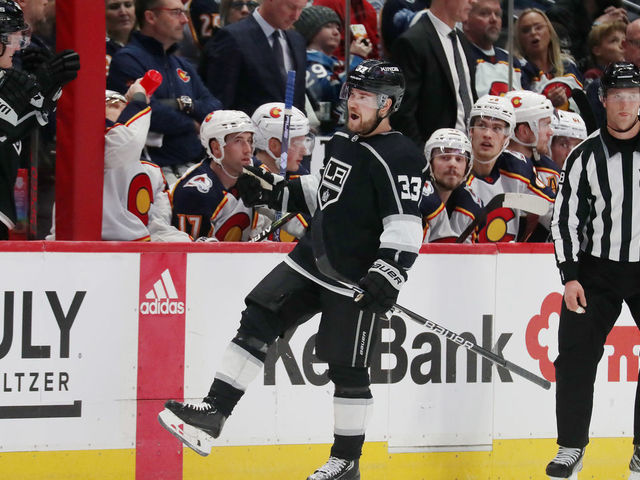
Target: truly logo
[(162, 299)]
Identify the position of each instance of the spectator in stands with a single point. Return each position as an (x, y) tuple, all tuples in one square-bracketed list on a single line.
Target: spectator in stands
[(482, 29), (605, 47), (446, 204), (574, 19), (362, 13), (121, 20), (181, 102), (538, 44), (436, 60), (246, 63), (631, 46), (496, 170), (569, 130), (205, 204), (320, 26), (395, 18)]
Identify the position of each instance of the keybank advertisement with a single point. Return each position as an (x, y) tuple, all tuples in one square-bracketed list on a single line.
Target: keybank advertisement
[(69, 353)]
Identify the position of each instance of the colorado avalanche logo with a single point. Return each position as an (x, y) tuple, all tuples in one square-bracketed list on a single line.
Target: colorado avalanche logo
[(516, 102), (184, 76), (208, 117), (275, 112), (201, 182), (333, 180)]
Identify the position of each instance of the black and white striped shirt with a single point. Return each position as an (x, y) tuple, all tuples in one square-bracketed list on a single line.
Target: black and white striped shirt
[(597, 209)]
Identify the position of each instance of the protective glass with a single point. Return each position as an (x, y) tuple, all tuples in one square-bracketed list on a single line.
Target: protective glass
[(174, 12), (450, 152), (483, 124), (307, 142), (617, 97), (362, 97), (239, 4), (17, 40)]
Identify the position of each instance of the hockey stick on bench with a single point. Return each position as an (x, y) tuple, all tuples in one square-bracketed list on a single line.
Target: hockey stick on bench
[(276, 224), (325, 268), (518, 201)]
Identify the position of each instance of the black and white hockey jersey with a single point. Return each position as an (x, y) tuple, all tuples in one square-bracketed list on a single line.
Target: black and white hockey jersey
[(364, 205)]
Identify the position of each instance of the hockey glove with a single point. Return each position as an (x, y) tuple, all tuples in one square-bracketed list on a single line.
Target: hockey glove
[(34, 58), (55, 72), (381, 286), (256, 186), (20, 91)]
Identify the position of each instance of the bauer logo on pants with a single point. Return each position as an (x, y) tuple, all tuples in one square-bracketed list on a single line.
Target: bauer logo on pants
[(333, 180)]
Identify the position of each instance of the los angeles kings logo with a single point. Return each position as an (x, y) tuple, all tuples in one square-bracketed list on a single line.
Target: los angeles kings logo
[(333, 180)]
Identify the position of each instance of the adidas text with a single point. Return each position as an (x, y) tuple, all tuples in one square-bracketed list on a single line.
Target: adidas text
[(162, 307)]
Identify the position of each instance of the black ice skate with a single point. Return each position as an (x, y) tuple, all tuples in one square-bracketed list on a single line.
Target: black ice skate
[(194, 424), (566, 464), (634, 464), (337, 469)]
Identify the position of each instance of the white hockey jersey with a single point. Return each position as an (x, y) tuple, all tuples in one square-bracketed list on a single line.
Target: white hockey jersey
[(128, 193), (492, 72), (511, 173)]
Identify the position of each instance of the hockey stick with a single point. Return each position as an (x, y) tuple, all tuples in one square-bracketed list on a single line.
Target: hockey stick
[(518, 201), (275, 225), (286, 126), (322, 262)]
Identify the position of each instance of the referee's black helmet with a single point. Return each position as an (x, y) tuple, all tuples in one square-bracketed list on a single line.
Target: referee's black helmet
[(377, 76), (620, 75)]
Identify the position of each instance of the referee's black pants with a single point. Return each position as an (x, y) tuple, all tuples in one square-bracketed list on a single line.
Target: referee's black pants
[(581, 339)]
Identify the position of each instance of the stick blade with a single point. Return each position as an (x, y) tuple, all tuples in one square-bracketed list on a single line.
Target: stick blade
[(527, 203)]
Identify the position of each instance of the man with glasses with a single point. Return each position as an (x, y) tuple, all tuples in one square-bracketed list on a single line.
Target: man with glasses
[(595, 228), (496, 170), (246, 63), (181, 102)]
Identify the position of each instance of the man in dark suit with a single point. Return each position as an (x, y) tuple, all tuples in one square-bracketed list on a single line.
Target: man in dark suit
[(439, 73), (245, 65)]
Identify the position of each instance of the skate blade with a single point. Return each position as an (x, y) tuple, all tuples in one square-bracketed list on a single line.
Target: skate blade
[(194, 438), (634, 476)]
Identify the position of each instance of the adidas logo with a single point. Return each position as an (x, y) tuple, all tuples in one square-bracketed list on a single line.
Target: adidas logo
[(162, 298)]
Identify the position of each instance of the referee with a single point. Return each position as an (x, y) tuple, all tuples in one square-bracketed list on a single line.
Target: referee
[(596, 232)]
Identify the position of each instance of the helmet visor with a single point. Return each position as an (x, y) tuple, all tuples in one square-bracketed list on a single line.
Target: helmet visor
[(362, 97), (305, 143), (18, 40)]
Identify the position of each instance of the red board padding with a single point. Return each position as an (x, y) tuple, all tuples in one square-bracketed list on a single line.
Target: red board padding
[(161, 340)]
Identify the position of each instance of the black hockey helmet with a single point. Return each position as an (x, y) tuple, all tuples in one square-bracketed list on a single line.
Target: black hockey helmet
[(377, 76), (11, 17), (619, 75)]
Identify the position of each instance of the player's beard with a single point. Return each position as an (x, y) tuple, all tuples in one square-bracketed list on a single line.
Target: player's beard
[(361, 126)]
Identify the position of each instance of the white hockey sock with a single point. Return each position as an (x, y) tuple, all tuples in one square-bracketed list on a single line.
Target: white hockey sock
[(351, 415), (239, 367)]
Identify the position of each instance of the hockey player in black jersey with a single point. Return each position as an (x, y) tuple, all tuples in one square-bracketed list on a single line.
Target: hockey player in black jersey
[(367, 225)]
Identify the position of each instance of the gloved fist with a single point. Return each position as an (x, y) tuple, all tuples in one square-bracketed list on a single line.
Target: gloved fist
[(19, 90), (257, 186), (58, 70), (381, 286), (34, 57)]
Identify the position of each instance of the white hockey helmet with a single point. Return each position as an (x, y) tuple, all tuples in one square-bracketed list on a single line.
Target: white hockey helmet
[(530, 108), (269, 121), (220, 123), (454, 141), (568, 124), (492, 106)]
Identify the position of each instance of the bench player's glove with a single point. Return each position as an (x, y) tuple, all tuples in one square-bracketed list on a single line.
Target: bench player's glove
[(55, 71), (18, 90), (257, 186), (381, 286), (34, 57)]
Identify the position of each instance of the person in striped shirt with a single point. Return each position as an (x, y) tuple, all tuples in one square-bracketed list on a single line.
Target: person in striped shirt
[(596, 231)]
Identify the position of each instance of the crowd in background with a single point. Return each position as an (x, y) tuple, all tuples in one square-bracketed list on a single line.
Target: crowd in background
[(233, 56)]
